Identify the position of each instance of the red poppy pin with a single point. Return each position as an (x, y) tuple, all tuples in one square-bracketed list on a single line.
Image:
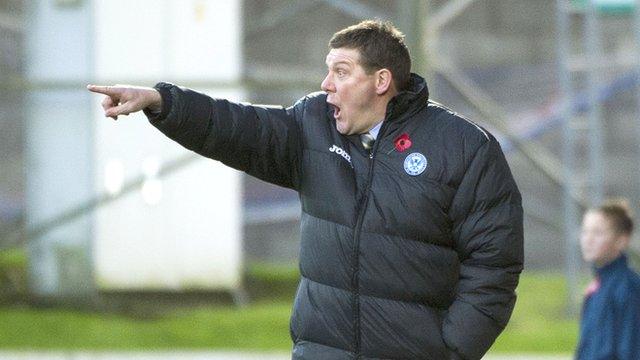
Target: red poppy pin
[(402, 142)]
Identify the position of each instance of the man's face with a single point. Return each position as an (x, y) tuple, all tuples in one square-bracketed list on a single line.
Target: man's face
[(599, 241), (351, 92)]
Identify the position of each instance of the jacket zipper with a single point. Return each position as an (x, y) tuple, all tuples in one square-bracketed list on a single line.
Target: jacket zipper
[(355, 280)]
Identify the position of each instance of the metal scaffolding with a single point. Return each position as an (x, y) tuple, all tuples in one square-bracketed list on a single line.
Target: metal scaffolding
[(423, 30), (424, 23), (591, 64)]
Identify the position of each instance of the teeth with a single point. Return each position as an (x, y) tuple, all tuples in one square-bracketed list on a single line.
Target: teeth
[(336, 109)]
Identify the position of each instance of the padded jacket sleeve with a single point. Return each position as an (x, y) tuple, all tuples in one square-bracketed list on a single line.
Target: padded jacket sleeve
[(259, 140), (488, 234)]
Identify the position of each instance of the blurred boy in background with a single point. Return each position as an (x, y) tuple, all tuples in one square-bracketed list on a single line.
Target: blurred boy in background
[(610, 325)]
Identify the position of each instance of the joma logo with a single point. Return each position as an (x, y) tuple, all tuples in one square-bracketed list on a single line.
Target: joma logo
[(338, 150)]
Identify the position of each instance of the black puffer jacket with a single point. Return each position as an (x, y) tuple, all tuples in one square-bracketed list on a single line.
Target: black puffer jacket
[(402, 257)]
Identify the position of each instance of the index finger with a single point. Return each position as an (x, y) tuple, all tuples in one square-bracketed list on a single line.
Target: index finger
[(106, 90)]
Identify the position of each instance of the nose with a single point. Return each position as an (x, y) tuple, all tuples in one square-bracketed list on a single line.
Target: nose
[(327, 84)]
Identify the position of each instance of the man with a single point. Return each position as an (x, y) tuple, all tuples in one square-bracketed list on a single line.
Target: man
[(411, 228), (610, 326)]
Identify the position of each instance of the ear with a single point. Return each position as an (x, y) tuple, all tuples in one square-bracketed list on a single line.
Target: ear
[(384, 81)]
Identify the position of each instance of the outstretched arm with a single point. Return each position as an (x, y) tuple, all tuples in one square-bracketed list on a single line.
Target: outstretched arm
[(263, 141)]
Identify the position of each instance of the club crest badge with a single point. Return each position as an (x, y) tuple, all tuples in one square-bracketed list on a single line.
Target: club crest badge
[(415, 164)]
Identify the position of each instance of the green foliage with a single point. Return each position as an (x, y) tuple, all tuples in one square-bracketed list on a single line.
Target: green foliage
[(13, 273), (15, 257), (270, 272), (272, 281)]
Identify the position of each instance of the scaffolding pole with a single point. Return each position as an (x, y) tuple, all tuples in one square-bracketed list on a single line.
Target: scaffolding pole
[(568, 156), (596, 146), (636, 28)]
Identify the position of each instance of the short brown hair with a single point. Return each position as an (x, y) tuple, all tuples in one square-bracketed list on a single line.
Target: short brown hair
[(381, 45), (618, 211)]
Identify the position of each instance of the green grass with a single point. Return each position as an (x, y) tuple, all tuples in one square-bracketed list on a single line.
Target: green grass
[(538, 324), (261, 326)]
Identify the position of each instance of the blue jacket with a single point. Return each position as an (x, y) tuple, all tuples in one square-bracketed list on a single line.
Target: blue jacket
[(610, 327)]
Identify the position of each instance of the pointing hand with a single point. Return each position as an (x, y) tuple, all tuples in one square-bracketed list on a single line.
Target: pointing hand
[(127, 99)]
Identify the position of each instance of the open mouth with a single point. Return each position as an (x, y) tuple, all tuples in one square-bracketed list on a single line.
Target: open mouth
[(336, 110)]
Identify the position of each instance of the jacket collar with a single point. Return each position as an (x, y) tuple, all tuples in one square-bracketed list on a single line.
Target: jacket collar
[(612, 267), (409, 101)]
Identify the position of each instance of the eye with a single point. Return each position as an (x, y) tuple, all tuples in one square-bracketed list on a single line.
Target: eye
[(341, 73)]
